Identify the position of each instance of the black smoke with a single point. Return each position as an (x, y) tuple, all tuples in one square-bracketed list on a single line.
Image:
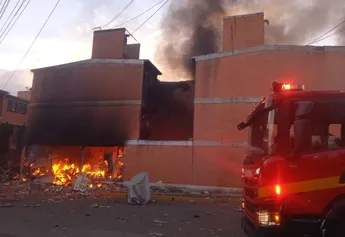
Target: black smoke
[(193, 27), (189, 28)]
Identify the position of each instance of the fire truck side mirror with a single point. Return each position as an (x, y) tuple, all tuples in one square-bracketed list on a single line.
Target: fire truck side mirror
[(302, 135), (241, 126)]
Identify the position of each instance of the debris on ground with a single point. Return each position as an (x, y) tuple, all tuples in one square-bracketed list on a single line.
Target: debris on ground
[(239, 209), (139, 190), (18, 190), (82, 183), (6, 205), (157, 234), (160, 222), (85, 187)]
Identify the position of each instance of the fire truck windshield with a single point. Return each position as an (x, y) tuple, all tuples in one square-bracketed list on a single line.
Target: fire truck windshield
[(297, 126), (263, 132), (318, 125)]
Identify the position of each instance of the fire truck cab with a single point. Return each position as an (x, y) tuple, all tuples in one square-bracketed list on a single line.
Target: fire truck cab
[(294, 172)]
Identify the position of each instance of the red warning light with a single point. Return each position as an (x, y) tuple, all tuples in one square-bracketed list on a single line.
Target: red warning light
[(286, 87), (278, 189), (280, 87)]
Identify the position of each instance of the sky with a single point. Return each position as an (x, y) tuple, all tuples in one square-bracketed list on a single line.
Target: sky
[(67, 36)]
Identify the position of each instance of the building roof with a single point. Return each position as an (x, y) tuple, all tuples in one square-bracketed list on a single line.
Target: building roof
[(106, 61), (18, 98), (109, 30), (2, 92), (244, 15), (272, 48)]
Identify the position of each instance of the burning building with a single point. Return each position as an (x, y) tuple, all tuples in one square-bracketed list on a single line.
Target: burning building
[(84, 113)]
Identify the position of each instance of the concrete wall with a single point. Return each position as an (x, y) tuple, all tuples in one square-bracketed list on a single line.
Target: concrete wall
[(251, 74), (26, 95), (88, 82), (184, 163), (94, 103), (109, 44), (132, 51), (14, 118), (243, 31), (226, 89)]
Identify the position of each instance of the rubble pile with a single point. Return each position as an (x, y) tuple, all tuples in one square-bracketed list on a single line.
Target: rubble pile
[(17, 190)]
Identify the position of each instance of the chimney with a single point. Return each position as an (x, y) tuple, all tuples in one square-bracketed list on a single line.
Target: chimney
[(132, 51), (109, 44), (26, 95), (243, 31)]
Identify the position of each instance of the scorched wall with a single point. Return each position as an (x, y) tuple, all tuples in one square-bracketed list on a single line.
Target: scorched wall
[(94, 102)]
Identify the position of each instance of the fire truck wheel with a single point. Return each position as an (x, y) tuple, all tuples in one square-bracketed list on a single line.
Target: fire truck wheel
[(335, 229)]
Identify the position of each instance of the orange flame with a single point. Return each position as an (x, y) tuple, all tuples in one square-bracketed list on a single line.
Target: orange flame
[(65, 172)]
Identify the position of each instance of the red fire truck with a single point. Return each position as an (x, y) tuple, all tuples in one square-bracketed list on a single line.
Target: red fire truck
[(294, 172)]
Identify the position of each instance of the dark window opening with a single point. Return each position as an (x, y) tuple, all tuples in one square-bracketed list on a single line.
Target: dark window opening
[(11, 106), (16, 107)]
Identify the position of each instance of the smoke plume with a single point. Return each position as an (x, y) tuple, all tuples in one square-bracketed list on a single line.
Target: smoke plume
[(190, 28), (193, 27)]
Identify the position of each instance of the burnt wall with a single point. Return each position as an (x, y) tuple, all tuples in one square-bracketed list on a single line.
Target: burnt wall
[(169, 110), (94, 104)]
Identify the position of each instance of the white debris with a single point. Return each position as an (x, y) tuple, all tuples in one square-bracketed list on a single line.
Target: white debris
[(139, 190), (160, 222), (81, 183), (157, 234)]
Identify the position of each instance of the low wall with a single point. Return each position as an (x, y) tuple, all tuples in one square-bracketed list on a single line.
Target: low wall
[(196, 163)]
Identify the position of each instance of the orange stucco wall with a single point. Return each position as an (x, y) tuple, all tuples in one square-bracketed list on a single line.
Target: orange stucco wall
[(109, 44), (249, 75), (91, 82), (210, 166), (11, 117), (231, 77), (244, 31)]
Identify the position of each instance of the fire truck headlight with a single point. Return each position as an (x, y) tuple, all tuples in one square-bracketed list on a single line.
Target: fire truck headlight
[(266, 218), (257, 171)]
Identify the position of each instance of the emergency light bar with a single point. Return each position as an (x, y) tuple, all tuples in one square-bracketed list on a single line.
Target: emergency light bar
[(281, 87)]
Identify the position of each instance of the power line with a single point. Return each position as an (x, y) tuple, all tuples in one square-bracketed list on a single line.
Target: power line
[(132, 36), (323, 35), (33, 42), (331, 35), (134, 18), (4, 8), (1, 40), (2, 5), (119, 14), (9, 16), (150, 17)]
